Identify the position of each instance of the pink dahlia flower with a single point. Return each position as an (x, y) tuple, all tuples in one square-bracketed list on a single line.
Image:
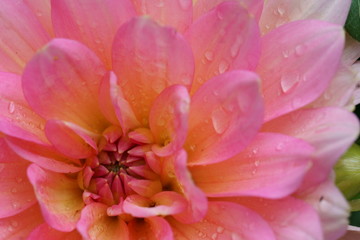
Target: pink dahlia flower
[(129, 119)]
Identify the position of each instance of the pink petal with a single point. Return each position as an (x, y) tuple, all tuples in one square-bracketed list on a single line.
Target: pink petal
[(105, 101), (340, 91), (176, 13), (272, 166), (45, 232), (225, 220), (156, 57), (278, 12), (196, 199), (226, 38), (16, 193), (42, 10), (16, 117), (67, 75), (153, 228), (169, 120), (59, 196), (91, 22), (332, 207), (19, 226), (45, 157), (254, 7), (71, 140), (289, 218), (300, 69), (95, 224), (124, 113), (329, 130), (21, 36), (225, 114), (352, 50), (146, 188), (163, 203)]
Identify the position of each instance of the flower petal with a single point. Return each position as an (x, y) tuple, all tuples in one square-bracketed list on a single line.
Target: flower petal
[(163, 203), (169, 120), (289, 218), (340, 91), (226, 38), (225, 220), (45, 232), (21, 36), (105, 101), (16, 117), (272, 166), (153, 228), (329, 130), (176, 13), (95, 224), (156, 57), (123, 111), (45, 157), (71, 140), (62, 82), (300, 69), (19, 226), (254, 7), (59, 196), (183, 183), (332, 207), (225, 114), (42, 10), (16, 193), (278, 12), (92, 22)]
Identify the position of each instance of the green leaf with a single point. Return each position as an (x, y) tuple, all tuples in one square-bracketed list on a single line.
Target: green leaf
[(352, 24), (348, 173)]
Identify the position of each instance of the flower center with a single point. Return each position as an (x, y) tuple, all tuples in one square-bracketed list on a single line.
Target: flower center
[(112, 174)]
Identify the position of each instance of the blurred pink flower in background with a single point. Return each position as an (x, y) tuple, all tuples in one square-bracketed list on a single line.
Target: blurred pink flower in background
[(206, 120)]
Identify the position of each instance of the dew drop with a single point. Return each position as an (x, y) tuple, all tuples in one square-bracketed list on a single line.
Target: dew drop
[(281, 11), (14, 190), (253, 172), (234, 236), (255, 151), (220, 229), (299, 50), (39, 13), (285, 53), (236, 46), (192, 148), (280, 147), (267, 26), (289, 81), (14, 223), (220, 120), (97, 41), (257, 163), (214, 236), (223, 66), (209, 56), (15, 205), (184, 4), (11, 107)]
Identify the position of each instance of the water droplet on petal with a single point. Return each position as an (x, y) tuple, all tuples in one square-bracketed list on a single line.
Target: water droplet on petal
[(285, 53), (257, 163), (214, 236), (14, 190), (209, 56), (19, 180), (184, 4), (223, 66), (15, 205), (281, 11), (280, 146), (220, 229), (234, 236), (236, 46), (289, 81), (11, 107), (14, 223), (220, 120), (299, 50)]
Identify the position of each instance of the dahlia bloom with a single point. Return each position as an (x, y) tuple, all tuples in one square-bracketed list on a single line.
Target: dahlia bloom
[(212, 119)]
